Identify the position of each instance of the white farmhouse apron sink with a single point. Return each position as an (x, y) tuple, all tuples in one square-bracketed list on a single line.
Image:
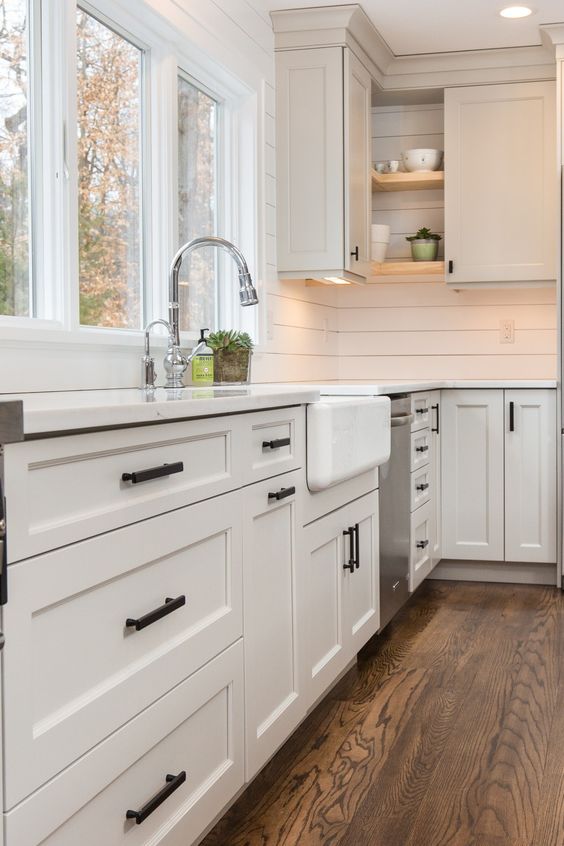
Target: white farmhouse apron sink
[(346, 436)]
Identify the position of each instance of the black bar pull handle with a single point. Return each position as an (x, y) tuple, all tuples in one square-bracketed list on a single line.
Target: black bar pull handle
[(437, 408), (277, 443), (421, 449), (357, 545), (451, 266), (422, 544), (152, 473), (422, 487), (173, 783), (351, 562), (421, 410), (282, 494), (354, 254), (511, 416), (151, 617)]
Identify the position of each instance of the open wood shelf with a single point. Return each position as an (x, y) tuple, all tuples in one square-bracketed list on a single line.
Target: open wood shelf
[(428, 271), (407, 181)]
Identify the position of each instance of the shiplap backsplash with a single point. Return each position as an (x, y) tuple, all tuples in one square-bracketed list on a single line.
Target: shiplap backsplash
[(425, 330)]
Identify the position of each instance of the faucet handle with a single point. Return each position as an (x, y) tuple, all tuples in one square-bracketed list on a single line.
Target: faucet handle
[(148, 372)]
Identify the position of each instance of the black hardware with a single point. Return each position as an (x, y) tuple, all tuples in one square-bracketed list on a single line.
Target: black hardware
[(152, 473), (422, 487), (421, 449), (173, 783), (451, 266), (421, 411), (437, 409), (276, 444), (282, 493), (422, 544), (355, 253), (351, 563), (151, 617), (4, 543), (357, 545), (512, 416)]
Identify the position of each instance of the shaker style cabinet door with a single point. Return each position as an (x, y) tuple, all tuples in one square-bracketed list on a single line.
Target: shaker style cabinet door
[(500, 183), (435, 474), (358, 198), (472, 440), (530, 476), (274, 701)]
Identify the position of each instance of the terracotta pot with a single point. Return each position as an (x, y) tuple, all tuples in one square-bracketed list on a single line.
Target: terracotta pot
[(232, 367)]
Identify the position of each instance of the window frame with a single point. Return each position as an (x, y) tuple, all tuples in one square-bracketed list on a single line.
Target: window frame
[(166, 53)]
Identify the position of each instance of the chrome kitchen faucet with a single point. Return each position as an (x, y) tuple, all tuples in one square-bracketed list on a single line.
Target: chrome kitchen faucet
[(175, 362)]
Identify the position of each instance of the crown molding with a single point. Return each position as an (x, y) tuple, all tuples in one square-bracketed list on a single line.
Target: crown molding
[(349, 26)]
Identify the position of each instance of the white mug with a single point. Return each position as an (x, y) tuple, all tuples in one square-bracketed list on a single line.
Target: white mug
[(392, 166)]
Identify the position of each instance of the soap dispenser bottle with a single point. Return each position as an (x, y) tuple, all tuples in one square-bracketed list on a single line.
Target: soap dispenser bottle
[(202, 363)]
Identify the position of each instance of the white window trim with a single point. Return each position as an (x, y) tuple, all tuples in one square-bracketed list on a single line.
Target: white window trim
[(167, 50)]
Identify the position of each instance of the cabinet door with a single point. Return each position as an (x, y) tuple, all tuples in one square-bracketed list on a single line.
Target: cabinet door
[(274, 705), (500, 188), (420, 561), (310, 155), (530, 476), (324, 655), (361, 587), (435, 481), (358, 88), (472, 474)]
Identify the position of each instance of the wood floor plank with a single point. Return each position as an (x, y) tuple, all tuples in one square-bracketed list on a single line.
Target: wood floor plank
[(448, 732)]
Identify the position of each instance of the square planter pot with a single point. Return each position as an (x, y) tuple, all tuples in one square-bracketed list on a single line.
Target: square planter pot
[(232, 367)]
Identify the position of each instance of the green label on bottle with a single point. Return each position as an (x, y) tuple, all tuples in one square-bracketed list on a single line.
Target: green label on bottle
[(202, 370)]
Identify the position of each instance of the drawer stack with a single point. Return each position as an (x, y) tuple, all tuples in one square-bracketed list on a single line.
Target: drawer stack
[(422, 492), (123, 670)]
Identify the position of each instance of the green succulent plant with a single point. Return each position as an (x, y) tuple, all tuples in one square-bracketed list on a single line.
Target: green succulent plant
[(229, 340), (424, 234)]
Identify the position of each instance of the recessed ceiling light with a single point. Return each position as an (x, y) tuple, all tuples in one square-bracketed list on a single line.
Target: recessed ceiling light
[(516, 12)]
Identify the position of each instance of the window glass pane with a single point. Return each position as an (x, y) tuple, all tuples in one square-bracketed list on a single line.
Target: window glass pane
[(109, 171), (15, 288), (197, 209)]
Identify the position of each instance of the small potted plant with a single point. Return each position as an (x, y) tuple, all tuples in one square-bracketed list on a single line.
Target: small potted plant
[(424, 245), (232, 352)]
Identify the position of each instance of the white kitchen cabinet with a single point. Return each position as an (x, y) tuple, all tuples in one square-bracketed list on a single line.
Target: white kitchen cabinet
[(323, 164), (500, 184), (274, 704), (420, 562), (435, 479), (339, 578), (530, 476), (472, 474)]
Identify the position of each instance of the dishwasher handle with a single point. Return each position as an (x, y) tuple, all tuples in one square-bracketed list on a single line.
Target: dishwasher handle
[(402, 420)]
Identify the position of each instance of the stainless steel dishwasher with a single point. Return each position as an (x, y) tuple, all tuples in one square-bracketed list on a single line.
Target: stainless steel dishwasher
[(395, 513)]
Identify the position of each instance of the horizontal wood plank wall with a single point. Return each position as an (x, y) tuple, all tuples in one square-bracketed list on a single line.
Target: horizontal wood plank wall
[(424, 330)]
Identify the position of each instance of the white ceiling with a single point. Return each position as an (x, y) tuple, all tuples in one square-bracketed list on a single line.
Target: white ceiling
[(443, 26)]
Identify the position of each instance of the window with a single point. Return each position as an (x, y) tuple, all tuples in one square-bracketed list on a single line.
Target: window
[(16, 296), (197, 203), (109, 110)]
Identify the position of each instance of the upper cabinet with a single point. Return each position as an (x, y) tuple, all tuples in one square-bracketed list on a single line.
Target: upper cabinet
[(323, 152), (501, 184)]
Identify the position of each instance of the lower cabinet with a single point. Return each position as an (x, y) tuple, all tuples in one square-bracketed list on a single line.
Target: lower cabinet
[(274, 704), (340, 584), (499, 475), (420, 561), (172, 768), (435, 479)]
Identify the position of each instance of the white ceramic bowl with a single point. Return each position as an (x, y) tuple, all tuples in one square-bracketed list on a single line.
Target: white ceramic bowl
[(422, 159)]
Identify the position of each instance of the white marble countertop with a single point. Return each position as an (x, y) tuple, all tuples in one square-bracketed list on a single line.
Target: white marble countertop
[(62, 411), (74, 410)]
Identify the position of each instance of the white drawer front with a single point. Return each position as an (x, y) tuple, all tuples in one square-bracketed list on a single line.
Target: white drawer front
[(277, 442), (74, 671), (420, 556), (421, 410), (420, 448), (197, 728), (420, 487), (61, 490)]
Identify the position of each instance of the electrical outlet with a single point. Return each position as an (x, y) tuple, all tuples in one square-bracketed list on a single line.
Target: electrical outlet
[(507, 332)]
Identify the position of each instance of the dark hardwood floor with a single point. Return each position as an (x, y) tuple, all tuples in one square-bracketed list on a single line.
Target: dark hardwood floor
[(449, 732)]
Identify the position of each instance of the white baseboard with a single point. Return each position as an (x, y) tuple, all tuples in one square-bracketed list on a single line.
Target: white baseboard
[(496, 571)]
